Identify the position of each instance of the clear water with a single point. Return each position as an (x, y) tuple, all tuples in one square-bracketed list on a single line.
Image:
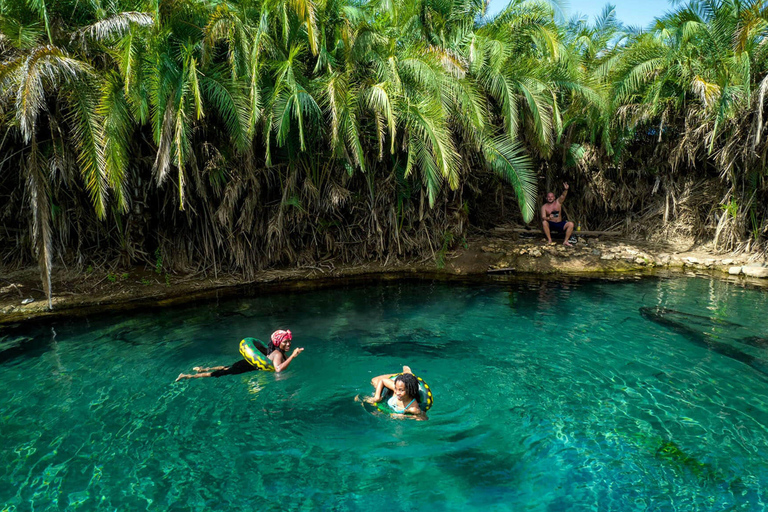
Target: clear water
[(548, 396)]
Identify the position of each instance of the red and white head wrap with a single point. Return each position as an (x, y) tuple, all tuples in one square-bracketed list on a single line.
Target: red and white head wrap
[(280, 336)]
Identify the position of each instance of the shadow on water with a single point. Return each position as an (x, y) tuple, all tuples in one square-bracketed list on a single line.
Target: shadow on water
[(493, 477), (409, 349), (17, 341), (693, 328), (416, 342)]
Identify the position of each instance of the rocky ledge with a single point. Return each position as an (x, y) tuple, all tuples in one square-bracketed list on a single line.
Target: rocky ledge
[(499, 252), (591, 254)]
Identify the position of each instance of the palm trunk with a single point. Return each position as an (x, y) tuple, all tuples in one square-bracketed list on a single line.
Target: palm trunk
[(39, 200)]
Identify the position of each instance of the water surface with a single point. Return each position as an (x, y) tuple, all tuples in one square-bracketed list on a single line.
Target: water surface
[(549, 395)]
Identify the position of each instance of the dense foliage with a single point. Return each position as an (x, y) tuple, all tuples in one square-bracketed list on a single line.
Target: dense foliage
[(235, 135)]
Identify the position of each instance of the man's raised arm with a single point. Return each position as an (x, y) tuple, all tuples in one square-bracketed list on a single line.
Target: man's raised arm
[(565, 193)]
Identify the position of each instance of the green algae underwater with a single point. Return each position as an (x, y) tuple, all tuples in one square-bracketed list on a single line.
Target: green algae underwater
[(548, 395)]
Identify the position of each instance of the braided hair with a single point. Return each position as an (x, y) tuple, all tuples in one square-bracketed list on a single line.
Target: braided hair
[(411, 384)]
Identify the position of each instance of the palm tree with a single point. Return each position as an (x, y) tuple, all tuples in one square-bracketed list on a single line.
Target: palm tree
[(56, 98), (270, 124)]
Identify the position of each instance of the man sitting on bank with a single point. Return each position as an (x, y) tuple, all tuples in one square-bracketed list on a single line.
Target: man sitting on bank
[(551, 218)]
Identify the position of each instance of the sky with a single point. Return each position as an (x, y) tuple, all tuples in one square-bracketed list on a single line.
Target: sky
[(630, 12)]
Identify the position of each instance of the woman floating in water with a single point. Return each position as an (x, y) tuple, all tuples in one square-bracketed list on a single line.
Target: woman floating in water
[(279, 345), (404, 388)]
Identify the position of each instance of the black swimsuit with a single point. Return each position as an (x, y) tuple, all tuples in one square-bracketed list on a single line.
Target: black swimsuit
[(242, 366)]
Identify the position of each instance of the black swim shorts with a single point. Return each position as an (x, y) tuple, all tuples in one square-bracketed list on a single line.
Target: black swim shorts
[(557, 226)]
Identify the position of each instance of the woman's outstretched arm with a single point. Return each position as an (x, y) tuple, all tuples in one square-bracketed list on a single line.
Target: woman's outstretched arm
[(281, 364)]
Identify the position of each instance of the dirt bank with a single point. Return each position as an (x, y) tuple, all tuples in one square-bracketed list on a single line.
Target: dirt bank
[(501, 251)]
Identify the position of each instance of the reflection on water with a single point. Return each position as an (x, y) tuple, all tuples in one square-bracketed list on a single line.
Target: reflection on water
[(549, 395)]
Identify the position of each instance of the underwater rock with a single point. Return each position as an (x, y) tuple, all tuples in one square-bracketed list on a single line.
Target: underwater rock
[(684, 326), (755, 341)]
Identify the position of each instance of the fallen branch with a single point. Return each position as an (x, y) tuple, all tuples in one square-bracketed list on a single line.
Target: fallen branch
[(504, 270)]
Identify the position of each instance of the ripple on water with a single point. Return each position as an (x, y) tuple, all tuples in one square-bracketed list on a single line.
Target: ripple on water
[(548, 396)]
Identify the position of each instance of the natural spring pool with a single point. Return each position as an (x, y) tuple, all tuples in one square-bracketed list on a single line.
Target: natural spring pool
[(549, 395)]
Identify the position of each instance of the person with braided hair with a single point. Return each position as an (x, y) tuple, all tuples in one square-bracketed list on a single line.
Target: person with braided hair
[(279, 345), (405, 393)]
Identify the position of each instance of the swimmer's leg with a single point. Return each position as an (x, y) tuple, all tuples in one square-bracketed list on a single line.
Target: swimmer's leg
[(200, 369), (183, 376)]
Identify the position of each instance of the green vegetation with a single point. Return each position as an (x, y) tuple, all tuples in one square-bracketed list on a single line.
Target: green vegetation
[(238, 135), (158, 261)]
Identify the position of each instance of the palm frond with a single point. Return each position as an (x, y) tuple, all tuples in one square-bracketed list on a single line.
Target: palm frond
[(229, 100), (113, 108), (117, 25), (45, 68), (87, 134)]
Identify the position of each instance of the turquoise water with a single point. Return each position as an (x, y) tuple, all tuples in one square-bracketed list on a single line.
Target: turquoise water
[(548, 396)]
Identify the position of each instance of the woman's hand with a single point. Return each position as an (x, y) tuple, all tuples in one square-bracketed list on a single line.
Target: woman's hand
[(297, 352)]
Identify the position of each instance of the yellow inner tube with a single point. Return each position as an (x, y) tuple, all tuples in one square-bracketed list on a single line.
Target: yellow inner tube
[(251, 353)]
